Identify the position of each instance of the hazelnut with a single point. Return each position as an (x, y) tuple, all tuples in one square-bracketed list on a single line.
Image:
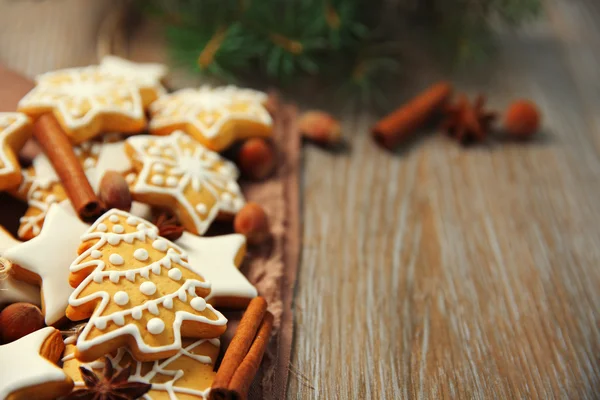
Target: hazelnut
[(252, 222), (320, 127), (256, 158), (114, 191), (18, 320), (522, 119)]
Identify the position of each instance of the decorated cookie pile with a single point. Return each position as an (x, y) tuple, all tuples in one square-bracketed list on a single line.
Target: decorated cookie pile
[(97, 298)]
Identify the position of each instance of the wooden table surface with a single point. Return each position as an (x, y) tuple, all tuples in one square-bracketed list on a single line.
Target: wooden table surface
[(439, 271)]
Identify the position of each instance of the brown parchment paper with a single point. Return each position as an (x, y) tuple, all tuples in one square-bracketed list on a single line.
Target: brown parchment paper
[(271, 267)]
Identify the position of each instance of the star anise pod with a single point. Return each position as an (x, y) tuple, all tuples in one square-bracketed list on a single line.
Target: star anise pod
[(169, 227), (468, 122), (109, 386)]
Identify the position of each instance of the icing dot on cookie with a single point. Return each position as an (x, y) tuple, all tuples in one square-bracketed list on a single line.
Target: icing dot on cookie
[(201, 208), (154, 151), (89, 163), (141, 254), (100, 324), (175, 274), (96, 254), (141, 227), (50, 199), (155, 326), (160, 245), (36, 195), (130, 178), (116, 259), (159, 168), (101, 228), (171, 181), (168, 303), (232, 187), (226, 197), (132, 221), (118, 228), (121, 298), (136, 313), (113, 218), (198, 303), (113, 239), (157, 179), (148, 288), (238, 203)]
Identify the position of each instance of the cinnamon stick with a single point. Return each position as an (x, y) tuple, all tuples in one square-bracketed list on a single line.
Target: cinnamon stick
[(238, 349), (243, 377), (399, 125), (59, 150)]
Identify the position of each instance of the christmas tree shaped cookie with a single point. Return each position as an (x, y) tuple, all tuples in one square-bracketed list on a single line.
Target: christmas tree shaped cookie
[(186, 375), (138, 290), (215, 117)]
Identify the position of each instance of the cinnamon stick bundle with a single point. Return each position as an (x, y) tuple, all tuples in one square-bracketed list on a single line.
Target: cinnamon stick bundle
[(399, 125), (244, 354), (59, 150)]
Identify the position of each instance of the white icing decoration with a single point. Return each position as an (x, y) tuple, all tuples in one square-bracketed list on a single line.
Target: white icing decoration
[(100, 324), (156, 326), (121, 298), (96, 254), (160, 245), (160, 168), (119, 320), (114, 219), (118, 228), (148, 288), (102, 228), (116, 259), (144, 75), (25, 367), (192, 168), (175, 274), (153, 308), (59, 238), (136, 313), (198, 303), (132, 221), (168, 303), (113, 239), (213, 258), (140, 254)]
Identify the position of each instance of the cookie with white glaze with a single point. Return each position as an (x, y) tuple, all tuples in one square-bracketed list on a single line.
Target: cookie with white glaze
[(15, 129), (29, 369)]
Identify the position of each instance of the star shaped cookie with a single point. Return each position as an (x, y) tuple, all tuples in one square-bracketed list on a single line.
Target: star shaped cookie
[(87, 102), (217, 259), (216, 117), (13, 290), (147, 76), (179, 173), (44, 260), (15, 129), (29, 369)]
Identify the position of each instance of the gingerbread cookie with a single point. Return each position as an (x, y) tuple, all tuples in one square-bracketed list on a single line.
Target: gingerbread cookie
[(29, 369), (177, 172), (13, 290), (215, 117), (217, 259), (87, 102), (43, 260), (186, 375), (138, 290), (147, 76), (15, 129), (41, 186)]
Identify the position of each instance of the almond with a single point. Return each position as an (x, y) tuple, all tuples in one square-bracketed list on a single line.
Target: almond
[(114, 191), (256, 158), (252, 222), (18, 320)]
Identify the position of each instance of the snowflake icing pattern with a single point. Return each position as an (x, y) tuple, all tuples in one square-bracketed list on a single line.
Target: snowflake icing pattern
[(201, 182)]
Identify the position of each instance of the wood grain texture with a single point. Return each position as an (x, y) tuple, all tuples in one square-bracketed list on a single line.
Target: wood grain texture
[(444, 272)]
